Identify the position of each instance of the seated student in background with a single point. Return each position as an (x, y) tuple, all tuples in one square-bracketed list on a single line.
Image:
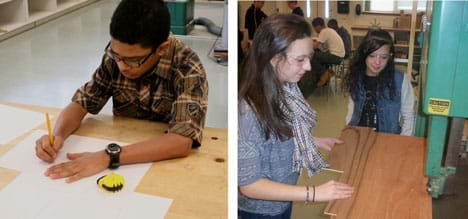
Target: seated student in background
[(295, 8), (381, 97), (275, 124), (254, 17), (330, 50), (333, 24), (150, 75)]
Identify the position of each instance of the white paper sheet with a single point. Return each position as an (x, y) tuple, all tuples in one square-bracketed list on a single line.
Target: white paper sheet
[(16, 122), (23, 157), (46, 198), (112, 206), (33, 196)]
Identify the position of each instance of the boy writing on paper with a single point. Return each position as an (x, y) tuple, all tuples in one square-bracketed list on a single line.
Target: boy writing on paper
[(150, 75)]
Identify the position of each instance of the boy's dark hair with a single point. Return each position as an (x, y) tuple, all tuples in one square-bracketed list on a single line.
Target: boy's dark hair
[(318, 21), (144, 22), (332, 23)]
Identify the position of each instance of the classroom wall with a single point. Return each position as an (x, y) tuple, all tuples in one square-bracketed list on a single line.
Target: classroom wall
[(350, 19), (272, 7), (318, 9), (269, 8)]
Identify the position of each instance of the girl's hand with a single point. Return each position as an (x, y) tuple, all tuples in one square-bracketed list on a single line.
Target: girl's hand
[(327, 143), (332, 190)]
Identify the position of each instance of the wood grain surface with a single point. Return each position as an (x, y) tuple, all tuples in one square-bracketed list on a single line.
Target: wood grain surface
[(387, 173)]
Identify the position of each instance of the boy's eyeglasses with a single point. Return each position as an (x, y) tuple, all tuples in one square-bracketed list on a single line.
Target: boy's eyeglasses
[(134, 62)]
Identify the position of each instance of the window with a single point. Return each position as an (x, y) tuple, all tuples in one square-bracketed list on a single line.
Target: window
[(382, 6), (308, 8), (408, 5), (395, 6), (327, 9)]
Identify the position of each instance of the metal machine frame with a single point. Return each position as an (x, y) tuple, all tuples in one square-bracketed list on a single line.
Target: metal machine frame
[(444, 88)]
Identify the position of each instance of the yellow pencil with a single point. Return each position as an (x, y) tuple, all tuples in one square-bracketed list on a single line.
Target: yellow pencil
[(49, 130)]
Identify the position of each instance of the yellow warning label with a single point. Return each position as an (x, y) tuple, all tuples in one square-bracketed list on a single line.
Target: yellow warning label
[(439, 106)]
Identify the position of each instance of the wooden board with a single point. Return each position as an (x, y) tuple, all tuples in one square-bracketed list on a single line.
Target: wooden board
[(197, 183), (387, 173)]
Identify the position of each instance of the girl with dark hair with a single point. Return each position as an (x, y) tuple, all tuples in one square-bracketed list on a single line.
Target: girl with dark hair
[(275, 124), (381, 97)]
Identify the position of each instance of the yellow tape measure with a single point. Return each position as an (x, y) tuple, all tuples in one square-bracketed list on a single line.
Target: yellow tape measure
[(111, 182)]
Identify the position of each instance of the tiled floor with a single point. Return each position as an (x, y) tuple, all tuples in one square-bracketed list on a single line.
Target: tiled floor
[(45, 65), (331, 113)]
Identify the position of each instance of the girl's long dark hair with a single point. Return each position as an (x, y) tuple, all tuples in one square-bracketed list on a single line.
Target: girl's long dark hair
[(258, 83), (373, 40)]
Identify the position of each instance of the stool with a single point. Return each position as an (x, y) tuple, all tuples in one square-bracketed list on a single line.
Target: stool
[(339, 70)]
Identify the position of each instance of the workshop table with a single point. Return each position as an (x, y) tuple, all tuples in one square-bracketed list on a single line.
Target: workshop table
[(197, 183)]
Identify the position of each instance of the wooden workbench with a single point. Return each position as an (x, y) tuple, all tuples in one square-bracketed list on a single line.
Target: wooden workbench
[(197, 183), (387, 173)]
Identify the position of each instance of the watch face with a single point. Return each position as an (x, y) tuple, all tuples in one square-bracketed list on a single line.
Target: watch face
[(113, 148)]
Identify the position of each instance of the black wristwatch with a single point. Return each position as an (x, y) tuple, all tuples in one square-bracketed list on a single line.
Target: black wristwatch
[(113, 150)]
